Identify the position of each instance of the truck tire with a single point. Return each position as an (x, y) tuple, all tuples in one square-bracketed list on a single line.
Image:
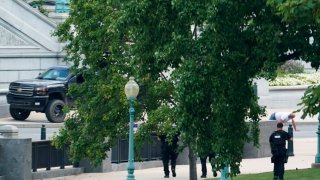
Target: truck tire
[(19, 114), (54, 111)]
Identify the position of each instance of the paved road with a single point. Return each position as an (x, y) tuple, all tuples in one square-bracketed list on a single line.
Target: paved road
[(30, 128), (35, 133), (35, 120)]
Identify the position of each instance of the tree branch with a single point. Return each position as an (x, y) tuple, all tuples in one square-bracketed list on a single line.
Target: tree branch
[(294, 55)]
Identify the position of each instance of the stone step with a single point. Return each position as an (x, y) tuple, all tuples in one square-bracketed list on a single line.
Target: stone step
[(49, 8), (58, 17)]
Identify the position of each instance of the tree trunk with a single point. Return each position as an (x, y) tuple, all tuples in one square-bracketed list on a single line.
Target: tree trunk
[(192, 165)]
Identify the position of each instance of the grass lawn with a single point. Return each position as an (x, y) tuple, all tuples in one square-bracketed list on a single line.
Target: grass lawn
[(301, 174)]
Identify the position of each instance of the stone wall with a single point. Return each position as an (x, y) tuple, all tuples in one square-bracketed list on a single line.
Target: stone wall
[(15, 158), (250, 151), (4, 112), (16, 68), (279, 97)]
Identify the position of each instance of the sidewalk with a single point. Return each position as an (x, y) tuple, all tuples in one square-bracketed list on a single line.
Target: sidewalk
[(304, 150)]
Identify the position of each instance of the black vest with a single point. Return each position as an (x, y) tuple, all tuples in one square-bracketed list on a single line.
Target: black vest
[(278, 142)]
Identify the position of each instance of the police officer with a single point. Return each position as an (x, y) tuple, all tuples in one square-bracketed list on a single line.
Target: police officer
[(278, 149), (169, 152), (204, 165)]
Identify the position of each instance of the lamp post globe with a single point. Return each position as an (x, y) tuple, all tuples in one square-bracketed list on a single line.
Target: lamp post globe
[(131, 90)]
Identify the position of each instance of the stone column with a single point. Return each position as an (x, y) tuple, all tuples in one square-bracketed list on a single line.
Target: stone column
[(15, 158)]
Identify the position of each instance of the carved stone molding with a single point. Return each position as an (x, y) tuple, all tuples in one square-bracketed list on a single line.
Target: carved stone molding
[(8, 38)]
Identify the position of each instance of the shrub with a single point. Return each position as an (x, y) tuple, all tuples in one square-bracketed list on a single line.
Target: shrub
[(296, 79), (292, 67)]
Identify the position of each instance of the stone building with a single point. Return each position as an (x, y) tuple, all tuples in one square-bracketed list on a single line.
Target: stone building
[(27, 46)]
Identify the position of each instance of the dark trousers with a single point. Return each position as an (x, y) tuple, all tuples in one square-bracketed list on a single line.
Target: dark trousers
[(278, 168), (204, 163), (168, 153)]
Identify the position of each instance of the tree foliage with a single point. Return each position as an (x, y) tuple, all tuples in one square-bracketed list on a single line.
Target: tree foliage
[(194, 61), (303, 18), (102, 112), (298, 10)]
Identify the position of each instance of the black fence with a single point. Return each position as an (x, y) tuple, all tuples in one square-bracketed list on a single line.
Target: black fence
[(149, 151), (44, 155)]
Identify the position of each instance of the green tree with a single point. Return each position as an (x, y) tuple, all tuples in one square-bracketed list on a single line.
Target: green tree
[(102, 113), (213, 56), (298, 10), (194, 60)]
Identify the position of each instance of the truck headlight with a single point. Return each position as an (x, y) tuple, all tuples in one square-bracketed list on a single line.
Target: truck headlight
[(41, 91)]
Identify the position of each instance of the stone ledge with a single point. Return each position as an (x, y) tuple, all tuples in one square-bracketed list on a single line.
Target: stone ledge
[(34, 55), (36, 125), (138, 165), (315, 165), (56, 173), (285, 88), (3, 91)]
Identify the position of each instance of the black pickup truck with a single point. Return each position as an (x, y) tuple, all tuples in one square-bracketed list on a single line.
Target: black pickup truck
[(46, 94)]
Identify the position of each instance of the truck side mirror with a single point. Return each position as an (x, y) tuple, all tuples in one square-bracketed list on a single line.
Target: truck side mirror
[(80, 79)]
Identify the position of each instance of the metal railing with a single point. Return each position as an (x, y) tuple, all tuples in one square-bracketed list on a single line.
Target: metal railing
[(44, 155), (149, 151)]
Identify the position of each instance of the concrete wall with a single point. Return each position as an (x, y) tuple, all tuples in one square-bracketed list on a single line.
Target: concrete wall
[(16, 68), (279, 97), (106, 165), (54, 173), (15, 158), (4, 110), (266, 128)]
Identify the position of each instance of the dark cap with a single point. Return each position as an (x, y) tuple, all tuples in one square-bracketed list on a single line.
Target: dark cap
[(279, 125)]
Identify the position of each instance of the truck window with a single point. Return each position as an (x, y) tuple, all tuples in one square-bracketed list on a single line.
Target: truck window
[(55, 74)]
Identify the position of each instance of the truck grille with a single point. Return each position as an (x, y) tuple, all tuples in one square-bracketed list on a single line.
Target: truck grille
[(21, 90)]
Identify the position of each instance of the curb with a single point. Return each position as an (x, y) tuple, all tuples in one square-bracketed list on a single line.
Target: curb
[(35, 125)]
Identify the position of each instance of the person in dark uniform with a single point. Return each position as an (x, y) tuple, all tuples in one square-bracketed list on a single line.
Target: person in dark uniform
[(169, 152), (204, 165), (278, 149)]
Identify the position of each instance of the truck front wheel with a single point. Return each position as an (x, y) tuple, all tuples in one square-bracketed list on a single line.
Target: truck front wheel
[(19, 114), (54, 111)]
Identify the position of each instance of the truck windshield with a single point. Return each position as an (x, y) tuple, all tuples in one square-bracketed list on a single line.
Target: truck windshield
[(60, 74)]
